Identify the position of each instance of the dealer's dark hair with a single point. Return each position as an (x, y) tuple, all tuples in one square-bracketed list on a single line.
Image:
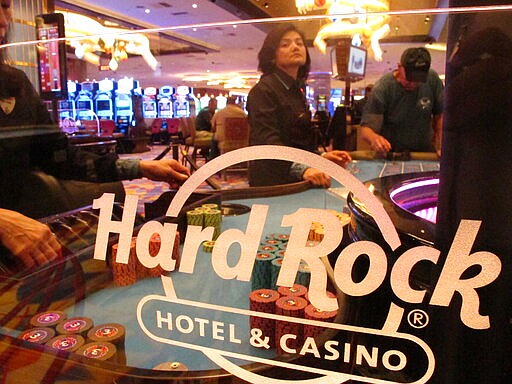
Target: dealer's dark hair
[(267, 53)]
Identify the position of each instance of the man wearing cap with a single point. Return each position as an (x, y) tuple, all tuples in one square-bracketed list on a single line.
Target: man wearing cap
[(404, 111)]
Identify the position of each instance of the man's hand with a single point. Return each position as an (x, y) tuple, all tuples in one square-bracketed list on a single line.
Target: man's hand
[(377, 142), (168, 170), (316, 177), (31, 241), (341, 158)]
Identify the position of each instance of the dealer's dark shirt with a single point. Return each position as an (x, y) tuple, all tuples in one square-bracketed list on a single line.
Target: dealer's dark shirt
[(278, 115)]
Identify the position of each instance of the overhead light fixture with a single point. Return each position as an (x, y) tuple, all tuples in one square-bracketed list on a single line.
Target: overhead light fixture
[(359, 20), (87, 37)]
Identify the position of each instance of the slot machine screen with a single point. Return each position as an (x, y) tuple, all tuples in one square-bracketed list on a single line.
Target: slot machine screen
[(84, 105), (51, 56), (103, 105)]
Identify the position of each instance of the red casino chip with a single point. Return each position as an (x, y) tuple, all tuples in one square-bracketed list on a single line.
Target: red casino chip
[(264, 300), (125, 274), (98, 350), (295, 290), (291, 306), (328, 293), (113, 333), (39, 335), (68, 343), (47, 319), (313, 313)]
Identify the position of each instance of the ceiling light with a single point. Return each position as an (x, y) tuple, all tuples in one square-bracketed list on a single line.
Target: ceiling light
[(147, 11), (194, 5)]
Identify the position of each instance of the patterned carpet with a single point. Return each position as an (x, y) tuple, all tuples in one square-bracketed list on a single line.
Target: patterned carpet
[(148, 190)]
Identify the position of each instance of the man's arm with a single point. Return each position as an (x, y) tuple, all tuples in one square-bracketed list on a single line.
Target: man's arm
[(377, 142)]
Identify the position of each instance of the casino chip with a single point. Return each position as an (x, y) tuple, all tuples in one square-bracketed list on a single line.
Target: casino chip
[(39, 335), (97, 350), (171, 366), (263, 300), (47, 319), (75, 326), (262, 272), (113, 333), (296, 290), (291, 306), (69, 343), (208, 246)]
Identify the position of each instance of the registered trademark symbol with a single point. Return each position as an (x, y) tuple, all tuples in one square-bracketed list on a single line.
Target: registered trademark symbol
[(418, 318)]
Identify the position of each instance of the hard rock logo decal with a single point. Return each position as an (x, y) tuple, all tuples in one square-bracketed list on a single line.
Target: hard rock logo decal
[(389, 348)]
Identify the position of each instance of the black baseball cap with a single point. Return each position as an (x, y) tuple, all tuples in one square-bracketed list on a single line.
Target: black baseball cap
[(416, 62)]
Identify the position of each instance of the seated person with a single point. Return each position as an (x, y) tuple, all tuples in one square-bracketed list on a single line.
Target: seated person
[(203, 123), (218, 123), (22, 112)]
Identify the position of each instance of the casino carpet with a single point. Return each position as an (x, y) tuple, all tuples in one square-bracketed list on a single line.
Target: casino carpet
[(148, 190)]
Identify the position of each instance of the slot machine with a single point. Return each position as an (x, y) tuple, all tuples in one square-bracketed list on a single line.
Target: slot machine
[(124, 104), (221, 101), (67, 107), (85, 101), (165, 102), (184, 104), (149, 105), (203, 101), (103, 102)]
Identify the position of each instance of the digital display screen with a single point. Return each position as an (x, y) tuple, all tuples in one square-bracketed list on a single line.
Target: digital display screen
[(84, 104), (51, 56), (356, 61), (65, 104), (164, 105), (103, 105)]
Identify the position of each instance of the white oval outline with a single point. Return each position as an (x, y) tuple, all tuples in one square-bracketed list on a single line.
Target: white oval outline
[(215, 355), (338, 173)]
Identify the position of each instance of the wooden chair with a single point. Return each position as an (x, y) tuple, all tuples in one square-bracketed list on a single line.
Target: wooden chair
[(199, 145), (236, 135)]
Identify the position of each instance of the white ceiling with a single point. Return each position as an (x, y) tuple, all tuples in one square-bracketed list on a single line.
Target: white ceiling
[(226, 49)]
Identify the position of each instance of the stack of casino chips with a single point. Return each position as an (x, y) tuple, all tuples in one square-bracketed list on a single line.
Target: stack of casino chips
[(264, 300), (78, 335), (124, 274), (291, 306), (287, 301), (262, 271), (313, 313), (128, 274), (207, 215), (42, 327), (111, 333), (317, 231), (268, 262)]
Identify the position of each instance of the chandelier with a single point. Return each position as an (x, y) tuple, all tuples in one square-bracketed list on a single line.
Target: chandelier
[(360, 21)]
